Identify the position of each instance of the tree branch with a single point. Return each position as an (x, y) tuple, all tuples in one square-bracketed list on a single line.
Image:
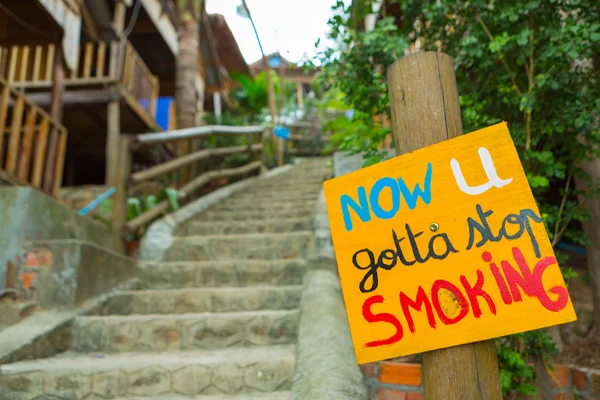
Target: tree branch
[(506, 67), (559, 232)]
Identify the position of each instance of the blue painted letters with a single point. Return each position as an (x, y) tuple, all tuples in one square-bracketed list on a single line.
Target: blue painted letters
[(397, 188)]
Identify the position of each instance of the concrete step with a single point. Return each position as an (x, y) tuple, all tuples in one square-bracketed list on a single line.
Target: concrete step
[(207, 331), (306, 188), (242, 215), (187, 301), (243, 273), (258, 246), (246, 396), (258, 197), (74, 376), (251, 226), (275, 204)]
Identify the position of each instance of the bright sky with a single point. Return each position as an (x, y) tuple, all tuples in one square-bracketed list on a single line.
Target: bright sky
[(289, 26)]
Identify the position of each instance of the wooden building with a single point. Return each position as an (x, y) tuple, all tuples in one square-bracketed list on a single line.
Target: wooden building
[(288, 72), (101, 68)]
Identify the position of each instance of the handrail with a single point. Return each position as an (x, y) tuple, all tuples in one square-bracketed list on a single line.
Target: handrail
[(125, 179), (191, 133), (185, 191), (169, 166)]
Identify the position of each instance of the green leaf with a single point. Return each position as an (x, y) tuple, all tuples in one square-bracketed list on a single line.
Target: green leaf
[(134, 208), (538, 181), (149, 202), (172, 195)]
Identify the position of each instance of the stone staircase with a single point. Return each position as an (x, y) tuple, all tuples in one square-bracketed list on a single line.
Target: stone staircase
[(217, 320)]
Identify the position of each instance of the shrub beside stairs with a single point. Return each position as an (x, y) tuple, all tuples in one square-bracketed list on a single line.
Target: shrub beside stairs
[(217, 320)]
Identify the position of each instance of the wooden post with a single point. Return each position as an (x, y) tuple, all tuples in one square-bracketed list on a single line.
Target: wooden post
[(121, 181), (113, 117), (425, 110), (113, 111), (56, 111), (300, 93)]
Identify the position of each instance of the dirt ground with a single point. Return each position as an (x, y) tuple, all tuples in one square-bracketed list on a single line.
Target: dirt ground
[(581, 347)]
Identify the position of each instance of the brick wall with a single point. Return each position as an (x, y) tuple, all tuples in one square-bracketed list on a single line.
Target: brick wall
[(393, 380)]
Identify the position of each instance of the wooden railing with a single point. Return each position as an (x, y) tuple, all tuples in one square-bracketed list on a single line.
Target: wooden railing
[(139, 82), (305, 139), (125, 179), (32, 67), (26, 145)]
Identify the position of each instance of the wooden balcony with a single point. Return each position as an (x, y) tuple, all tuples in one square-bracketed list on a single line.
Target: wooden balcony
[(28, 155), (102, 68)]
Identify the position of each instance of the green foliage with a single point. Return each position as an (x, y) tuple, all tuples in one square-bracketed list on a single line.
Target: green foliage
[(252, 95), (354, 70), (534, 64), (138, 205)]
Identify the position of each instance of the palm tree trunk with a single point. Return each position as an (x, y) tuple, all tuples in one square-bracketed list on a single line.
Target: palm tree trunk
[(185, 76)]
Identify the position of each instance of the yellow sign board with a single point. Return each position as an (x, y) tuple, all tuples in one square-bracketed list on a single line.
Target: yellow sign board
[(443, 246)]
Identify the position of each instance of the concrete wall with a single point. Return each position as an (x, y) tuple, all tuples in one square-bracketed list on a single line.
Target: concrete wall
[(28, 215), (70, 272)]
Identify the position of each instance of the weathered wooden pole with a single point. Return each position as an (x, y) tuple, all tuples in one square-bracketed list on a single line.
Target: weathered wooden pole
[(425, 110), (56, 111)]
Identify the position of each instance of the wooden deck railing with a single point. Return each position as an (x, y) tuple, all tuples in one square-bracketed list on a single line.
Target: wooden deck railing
[(306, 139), (25, 145), (138, 81), (28, 66), (130, 143)]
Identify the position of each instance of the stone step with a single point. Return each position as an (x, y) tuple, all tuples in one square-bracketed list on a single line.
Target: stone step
[(243, 273), (74, 376), (275, 204), (244, 197), (286, 187), (242, 215), (251, 226), (188, 301), (207, 331), (246, 396), (258, 246)]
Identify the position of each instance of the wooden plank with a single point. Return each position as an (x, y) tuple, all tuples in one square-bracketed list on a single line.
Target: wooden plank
[(154, 98), (37, 63), (128, 67), (40, 153), (120, 182), (72, 97), (3, 61), (168, 166), (419, 84), (87, 60), (198, 131), (56, 110), (24, 64), (116, 51), (27, 145), (50, 63), (12, 68), (15, 136), (100, 59), (60, 163), (3, 116), (113, 116)]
